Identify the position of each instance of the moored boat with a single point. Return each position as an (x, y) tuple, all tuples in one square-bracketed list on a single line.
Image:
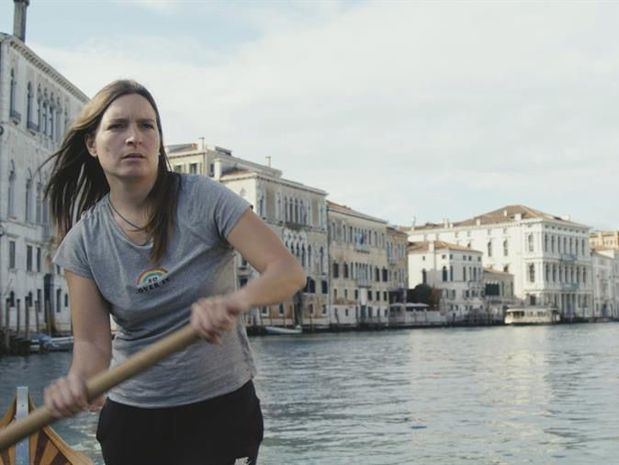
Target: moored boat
[(45, 447), (531, 316), (279, 330)]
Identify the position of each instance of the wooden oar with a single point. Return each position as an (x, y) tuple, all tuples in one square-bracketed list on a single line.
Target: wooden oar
[(102, 383)]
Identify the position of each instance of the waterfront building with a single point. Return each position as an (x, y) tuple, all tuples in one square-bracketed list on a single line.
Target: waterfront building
[(604, 240), (498, 293), (359, 269), (36, 105), (605, 264), (548, 255), (397, 260), (454, 269), (296, 212)]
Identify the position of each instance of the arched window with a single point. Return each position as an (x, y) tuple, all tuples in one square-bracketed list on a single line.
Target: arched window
[(552, 244), (310, 258), (444, 274), (28, 199), (29, 105), (11, 193), (530, 242), (322, 260), (545, 242), (52, 117), (43, 128), (13, 93), (39, 109), (489, 245), (532, 273), (38, 204), (464, 273), (505, 248)]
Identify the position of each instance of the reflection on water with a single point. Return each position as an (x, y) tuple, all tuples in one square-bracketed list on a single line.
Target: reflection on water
[(540, 395)]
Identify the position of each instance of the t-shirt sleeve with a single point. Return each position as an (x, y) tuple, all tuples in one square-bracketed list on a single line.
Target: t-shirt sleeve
[(71, 253), (222, 206)]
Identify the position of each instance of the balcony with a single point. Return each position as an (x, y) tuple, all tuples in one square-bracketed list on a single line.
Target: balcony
[(392, 260), (15, 116), (363, 282), (569, 286), (32, 126), (360, 247), (567, 257)]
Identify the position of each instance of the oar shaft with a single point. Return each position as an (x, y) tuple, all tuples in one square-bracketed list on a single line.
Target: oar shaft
[(102, 383)]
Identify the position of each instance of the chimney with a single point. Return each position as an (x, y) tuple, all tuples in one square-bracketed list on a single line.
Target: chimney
[(19, 19)]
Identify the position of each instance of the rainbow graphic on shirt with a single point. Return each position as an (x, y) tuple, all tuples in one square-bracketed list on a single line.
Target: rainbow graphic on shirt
[(152, 279)]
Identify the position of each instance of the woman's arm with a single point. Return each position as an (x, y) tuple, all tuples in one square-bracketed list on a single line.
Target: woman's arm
[(91, 346), (281, 276)]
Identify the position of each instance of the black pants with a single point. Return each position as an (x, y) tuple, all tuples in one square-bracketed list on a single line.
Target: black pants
[(219, 431)]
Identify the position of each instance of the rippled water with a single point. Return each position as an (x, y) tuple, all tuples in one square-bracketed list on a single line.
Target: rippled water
[(540, 395)]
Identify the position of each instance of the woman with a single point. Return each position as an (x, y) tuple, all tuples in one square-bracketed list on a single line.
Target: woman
[(154, 249)]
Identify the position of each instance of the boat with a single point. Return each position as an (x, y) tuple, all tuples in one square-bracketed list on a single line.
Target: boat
[(45, 447), (282, 331), (411, 315), (41, 342), (532, 316)]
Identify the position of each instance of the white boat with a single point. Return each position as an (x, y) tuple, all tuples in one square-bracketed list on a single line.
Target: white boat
[(531, 316), (409, 315), (279, 330)]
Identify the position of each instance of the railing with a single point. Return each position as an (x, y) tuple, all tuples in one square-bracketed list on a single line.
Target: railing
[(569, 286), (567, 257), (359, 247), (363, 282)]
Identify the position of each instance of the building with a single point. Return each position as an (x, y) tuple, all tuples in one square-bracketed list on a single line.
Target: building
[(498, 293), (548, 255), (604, 240), (605, 264), (455, 270), (36, 105), (359, 269), (295, 212), (397, 260)]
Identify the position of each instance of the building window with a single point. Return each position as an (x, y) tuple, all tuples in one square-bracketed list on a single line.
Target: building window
[(345, 270), (13, 93), (193, 168), (444, 274), (11, 196), (264, 311), (281, 309), (12, 255), (336, 270), (29, 106), (28, 258), (28, 199), (424, 276), (451, 273), (505, 248), (489, 245), (39, 259), (178, 168), (530, 242), (532, 273)]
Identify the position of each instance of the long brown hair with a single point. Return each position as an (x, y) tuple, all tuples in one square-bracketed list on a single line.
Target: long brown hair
[(77, 181)]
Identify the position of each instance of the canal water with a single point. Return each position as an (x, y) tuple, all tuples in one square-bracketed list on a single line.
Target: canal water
[(498, 395)]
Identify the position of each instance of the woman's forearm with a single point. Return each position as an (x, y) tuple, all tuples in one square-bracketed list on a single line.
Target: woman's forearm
[(89, 359)]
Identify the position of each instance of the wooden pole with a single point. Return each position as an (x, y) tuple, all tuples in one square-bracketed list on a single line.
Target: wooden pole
[(103, 382), (7, 322), (27, 319)]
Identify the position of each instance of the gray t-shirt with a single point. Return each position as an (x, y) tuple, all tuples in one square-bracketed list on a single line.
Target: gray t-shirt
[(149, 302)]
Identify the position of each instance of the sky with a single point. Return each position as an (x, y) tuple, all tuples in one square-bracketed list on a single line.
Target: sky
[(407, 111)]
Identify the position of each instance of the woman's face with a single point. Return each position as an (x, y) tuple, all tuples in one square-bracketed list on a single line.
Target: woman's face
[(126, 142)]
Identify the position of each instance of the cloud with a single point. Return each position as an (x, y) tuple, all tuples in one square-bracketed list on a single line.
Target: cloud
[(399, 109)]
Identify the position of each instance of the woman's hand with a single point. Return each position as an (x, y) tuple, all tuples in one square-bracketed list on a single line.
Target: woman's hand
[(68, 396), (210, 317)]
